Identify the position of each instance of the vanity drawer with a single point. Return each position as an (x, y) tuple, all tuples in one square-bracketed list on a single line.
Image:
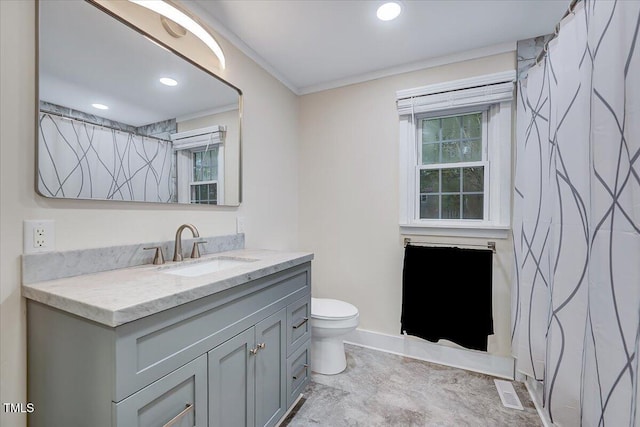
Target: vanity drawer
[(298, 323), (298, 372), (178, 399)]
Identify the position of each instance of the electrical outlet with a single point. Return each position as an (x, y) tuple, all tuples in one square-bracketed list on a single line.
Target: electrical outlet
[(39, 236), (240, 224)]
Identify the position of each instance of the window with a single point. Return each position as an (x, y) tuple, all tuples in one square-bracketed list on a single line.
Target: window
[(452, 168), (204, 187), (455, 157), (200, 165)]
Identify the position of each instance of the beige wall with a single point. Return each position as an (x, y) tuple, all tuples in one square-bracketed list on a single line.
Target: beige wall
[(270, 176), (349, 197)]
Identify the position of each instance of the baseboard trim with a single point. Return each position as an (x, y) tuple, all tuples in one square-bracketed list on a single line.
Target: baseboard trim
[(471, 360), (534, 389)]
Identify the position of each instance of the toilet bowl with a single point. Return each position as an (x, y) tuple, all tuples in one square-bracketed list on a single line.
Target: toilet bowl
[(331, 320)]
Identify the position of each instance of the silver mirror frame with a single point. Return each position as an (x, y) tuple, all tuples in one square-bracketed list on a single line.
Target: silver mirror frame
[(173, 51)]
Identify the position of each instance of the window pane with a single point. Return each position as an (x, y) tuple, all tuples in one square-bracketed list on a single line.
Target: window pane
[(204, 193), (197, 167), (450, 206), (451, 128), (194, 194), (429, 181), (429, 206), (472, 125), (210, 172), (450, 180), (430, 153), (430, 130), (473, 179), (472, 150), (451, 152), (472, 206), (205, 165), (213, 193)]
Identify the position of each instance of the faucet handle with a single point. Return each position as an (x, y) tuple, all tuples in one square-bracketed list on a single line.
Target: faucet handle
[(195, 252), (158, 258)]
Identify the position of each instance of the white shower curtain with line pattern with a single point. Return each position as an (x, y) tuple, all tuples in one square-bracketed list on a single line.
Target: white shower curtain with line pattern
[(576, 297)]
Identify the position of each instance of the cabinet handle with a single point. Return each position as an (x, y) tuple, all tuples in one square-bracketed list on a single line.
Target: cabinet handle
[(177, 418), (261, 346), (300, 371), (253, 351), (302, 322)]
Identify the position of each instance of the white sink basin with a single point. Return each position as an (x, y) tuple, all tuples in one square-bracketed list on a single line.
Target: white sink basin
[(209, 266)]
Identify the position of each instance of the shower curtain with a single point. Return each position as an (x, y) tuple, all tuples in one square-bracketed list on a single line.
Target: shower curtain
[(576, 297)]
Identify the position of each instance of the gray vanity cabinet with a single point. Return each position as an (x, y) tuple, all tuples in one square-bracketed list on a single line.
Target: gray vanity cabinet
[(247, 376), (233, 358)]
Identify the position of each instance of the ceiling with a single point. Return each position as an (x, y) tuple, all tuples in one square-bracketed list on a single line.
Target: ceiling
[(312, 45)]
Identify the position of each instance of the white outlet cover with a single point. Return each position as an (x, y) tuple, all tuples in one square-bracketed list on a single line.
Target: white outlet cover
[(32, 243), (240, 224)]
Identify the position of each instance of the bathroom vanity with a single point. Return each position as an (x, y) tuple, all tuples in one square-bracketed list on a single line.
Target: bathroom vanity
[(169, 345)]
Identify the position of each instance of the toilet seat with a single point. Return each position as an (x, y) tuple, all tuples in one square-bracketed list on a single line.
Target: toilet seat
[(331, 309)]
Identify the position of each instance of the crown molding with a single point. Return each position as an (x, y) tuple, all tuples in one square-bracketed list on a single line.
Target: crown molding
[(236, 41), (415, 66)]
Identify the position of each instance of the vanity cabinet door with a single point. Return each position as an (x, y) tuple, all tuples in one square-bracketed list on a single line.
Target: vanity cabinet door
[(178, 399), (271, 393), (232, 382)]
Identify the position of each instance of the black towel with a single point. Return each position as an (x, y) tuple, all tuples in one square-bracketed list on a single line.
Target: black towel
[(446, 293)]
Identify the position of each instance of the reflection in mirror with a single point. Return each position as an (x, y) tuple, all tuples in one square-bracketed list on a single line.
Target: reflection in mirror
[(123, 118)]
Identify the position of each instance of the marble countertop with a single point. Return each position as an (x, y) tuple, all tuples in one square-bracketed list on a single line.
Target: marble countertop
[(120, 296)]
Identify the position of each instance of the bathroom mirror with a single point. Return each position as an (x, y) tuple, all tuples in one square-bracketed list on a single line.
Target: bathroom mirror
[(110, 129)]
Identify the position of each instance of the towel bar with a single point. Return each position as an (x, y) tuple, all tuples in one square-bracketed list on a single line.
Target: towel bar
[(489, 245)]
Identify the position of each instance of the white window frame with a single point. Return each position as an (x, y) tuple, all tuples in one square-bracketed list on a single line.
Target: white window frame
[(219, 181), (189, 142), (493, 93)]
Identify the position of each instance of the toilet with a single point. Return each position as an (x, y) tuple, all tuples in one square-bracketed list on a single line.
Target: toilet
[(331, 320)]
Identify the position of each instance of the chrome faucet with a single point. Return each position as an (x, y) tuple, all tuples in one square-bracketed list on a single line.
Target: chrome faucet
[(177, 250)]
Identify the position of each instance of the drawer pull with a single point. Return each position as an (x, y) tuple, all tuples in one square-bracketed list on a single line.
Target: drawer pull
[(302, 322), (300, 371), (177, 418)]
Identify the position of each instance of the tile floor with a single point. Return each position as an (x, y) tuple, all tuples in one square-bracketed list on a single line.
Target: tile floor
[(381, 389)]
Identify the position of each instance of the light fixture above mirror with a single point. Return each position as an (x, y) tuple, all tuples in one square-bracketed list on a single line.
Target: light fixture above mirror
[(182, 19)]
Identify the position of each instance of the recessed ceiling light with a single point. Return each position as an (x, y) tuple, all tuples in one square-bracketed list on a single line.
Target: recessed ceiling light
[(168, 81), (389, 11), (100, 106)]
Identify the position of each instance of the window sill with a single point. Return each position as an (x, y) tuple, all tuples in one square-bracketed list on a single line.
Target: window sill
[(472, 229)]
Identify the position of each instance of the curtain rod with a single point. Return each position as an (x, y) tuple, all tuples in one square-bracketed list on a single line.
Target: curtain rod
[(87, 122), (489, 245), (569, 11)]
